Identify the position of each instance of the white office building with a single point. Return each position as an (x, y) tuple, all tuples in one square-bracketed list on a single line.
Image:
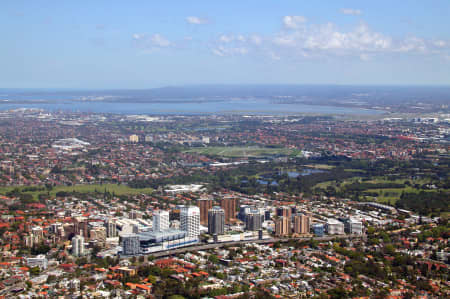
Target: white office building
[(190, 220), (38, 261), (353, 226), (160, 220), (78, 245), (334, 227)]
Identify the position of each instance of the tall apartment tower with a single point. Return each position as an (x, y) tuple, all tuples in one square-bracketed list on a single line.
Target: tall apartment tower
[(78, 245), (190, 220), (253, 220), (216, 221), (81, 226), (229, 205), (301, 224), (204, 205), (160, 220), (134, 138), (283, 226), (111, 229), (284, 212), (130, 244)]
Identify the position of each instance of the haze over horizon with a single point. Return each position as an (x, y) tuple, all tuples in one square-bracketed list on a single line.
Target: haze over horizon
[(142, 45)]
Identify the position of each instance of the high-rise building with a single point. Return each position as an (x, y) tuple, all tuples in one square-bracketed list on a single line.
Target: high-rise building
[(54, 227), (135, 214), (190, 220), (160, 220), (130, 244), (301, 224), (98, 234), (216, 221), (81, 226), (334, 227), (318, 229), (253, 220), (284, 212), (204, 205), (229, 205), (283, 226), (353, 226), (134, 138), (37, 233), (111, 229), (243, 211), (78, 245), (267, 215)]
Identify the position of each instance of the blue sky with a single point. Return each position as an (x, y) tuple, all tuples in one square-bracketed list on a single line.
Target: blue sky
[(145, 44)]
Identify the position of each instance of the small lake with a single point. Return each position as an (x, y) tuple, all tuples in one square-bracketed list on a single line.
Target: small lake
[(304, 172)]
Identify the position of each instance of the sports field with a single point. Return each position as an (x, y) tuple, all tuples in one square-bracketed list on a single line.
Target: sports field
[(237, 151)]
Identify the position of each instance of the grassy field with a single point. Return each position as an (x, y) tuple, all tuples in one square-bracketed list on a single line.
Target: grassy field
[(235, 151), (112, 188), (385, 195), (320, 166)]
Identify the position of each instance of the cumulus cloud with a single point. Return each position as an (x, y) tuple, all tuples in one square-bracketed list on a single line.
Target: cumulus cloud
[(440, 43), (293, 22), (351, 11), (159, 40), (226, 38), (303, 40), (232, 45), (151, 42), (229, 51), (255, 39), (196, 20)]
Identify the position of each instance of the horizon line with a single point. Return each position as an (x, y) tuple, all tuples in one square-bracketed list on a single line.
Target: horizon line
[(227, 84)]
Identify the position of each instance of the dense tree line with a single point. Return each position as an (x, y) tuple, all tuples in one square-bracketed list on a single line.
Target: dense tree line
[(425, 203)]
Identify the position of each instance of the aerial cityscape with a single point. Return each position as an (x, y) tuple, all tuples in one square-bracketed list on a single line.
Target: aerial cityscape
[(200, 160)]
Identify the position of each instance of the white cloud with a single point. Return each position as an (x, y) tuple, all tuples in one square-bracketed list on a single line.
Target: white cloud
[(196, 20), (412, 44), (159, 40), (241, 38), (151, 42), (229, 51), (440, 43), (255, 39), (307, 41), (327, 38), (365, 57), (351, 12), (226, 38), (293, 22)]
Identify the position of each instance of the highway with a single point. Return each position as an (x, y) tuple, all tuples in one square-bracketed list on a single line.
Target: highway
[(263, 241)]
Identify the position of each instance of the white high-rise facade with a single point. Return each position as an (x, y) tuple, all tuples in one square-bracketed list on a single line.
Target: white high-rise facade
[(130, 244), (111, 229), (78, 245), (160, 220), (190, 220)]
